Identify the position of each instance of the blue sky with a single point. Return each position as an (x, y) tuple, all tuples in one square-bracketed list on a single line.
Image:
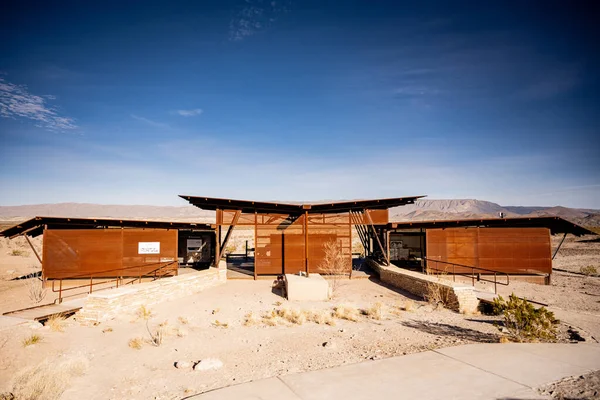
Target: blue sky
[(137, 102)]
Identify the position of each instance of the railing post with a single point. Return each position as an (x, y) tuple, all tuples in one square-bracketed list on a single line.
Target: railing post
[(91, 284), (453, 272), (473, 276), (495, 284), (60, 292)]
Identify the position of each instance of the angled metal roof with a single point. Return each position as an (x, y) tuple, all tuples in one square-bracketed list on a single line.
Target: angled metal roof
[(211, 203), (555, 224), (35, 226)]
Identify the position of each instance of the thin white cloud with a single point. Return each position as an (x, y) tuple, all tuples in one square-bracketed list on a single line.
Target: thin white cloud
[(16, 101), (151, 122), (188, 113), (254, 17)]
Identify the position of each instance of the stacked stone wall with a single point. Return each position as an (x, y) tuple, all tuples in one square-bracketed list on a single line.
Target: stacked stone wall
[(458, 297), (105, 305)]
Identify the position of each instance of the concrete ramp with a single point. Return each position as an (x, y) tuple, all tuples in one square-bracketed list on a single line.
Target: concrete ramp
[(43, 312)]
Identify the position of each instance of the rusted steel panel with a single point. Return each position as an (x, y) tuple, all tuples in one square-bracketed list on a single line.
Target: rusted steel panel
[(515, 250), (82, 253), (509, 250), (280, 242)]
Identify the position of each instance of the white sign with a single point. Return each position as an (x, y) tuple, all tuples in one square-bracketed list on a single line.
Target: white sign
[(148, 247), (194, 243)]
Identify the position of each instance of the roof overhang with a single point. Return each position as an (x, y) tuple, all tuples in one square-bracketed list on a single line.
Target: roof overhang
[(249, 206), (555, 224), (35, 226)]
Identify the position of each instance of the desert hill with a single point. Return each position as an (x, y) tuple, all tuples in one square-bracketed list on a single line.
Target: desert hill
[(424, 209)]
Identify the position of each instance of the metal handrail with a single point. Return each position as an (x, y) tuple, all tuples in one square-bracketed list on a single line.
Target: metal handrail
[(152, 273), (472, 275)]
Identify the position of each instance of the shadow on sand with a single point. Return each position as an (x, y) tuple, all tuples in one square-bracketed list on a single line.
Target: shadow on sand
[(435, 328)]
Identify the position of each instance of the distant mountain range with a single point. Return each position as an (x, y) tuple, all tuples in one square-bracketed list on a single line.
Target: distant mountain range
[(421, 210), (461, 209)]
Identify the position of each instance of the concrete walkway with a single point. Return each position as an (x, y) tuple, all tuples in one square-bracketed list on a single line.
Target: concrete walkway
[(477, 371)]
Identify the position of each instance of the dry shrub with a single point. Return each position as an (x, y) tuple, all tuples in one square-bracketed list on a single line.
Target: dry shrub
[(335, 265), (271, 318), (144, 312), (524, 322), (220, 324), (347, 312), (56, 323), (504, 339), (157, 335), (436, 295), (19, 253), (250, 319), (48, 380), (136, 343), (375, 312), (297, 317), (183, 320), (31, 340), (35, 290), (107, 330), (589, 270), (321, 317)]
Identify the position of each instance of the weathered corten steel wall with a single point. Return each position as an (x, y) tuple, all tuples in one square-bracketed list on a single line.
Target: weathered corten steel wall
[(81, 253), (509, 250), (281, 239)]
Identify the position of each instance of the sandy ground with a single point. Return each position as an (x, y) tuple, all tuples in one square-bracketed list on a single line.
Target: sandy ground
[(584, 387), (116, 371)]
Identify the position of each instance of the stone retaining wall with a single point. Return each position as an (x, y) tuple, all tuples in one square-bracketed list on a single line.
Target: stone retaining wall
[(105, 305), (458, 297)]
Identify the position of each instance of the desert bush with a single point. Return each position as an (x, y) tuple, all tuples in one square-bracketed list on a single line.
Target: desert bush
[(48, 380), (56, 323), (144, 312), (409, 305), (589, 270), (435, 293), (35, 290), (270, 318), (335, 265), (32, 339), (524, 322), (297, 317), (136, 343), (183, 320), (19, 253), (157, 335), (346, 312), (220, 324), (375, 311), (230, 249), (250, 319), (321, 317)]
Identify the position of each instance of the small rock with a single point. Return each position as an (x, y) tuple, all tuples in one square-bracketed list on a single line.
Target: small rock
[(208, 364), (342, 330), (183, 364), (329, 345)]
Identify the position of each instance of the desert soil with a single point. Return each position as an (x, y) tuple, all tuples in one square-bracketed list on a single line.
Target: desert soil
[(584, 387), (211, 325)]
